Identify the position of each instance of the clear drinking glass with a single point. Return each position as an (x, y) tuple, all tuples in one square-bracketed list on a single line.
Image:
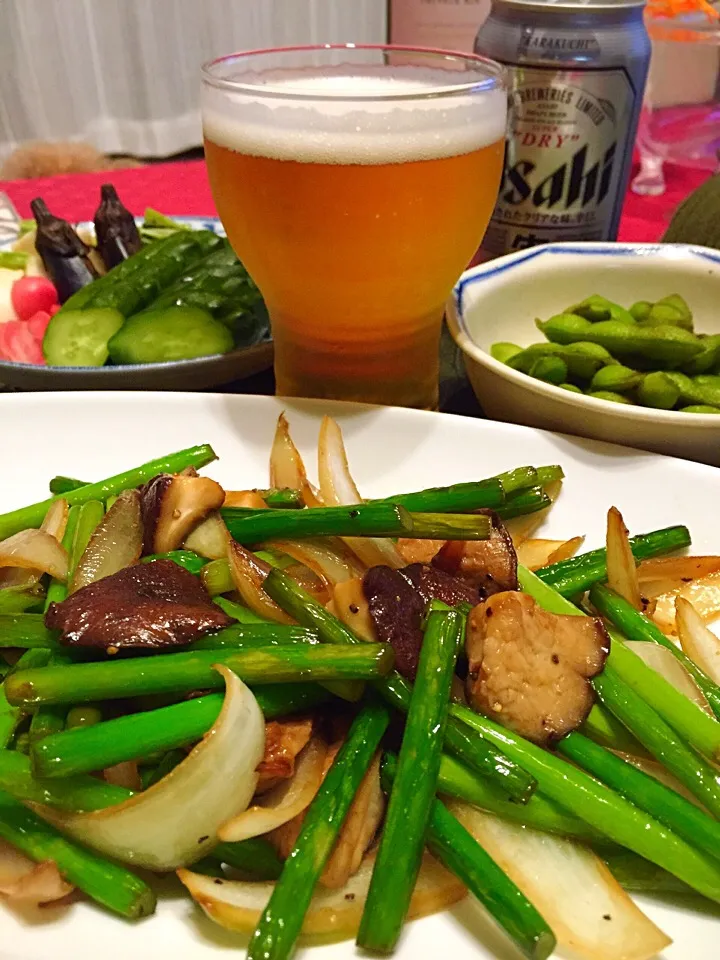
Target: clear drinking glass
[(355, 183), (680, 121)]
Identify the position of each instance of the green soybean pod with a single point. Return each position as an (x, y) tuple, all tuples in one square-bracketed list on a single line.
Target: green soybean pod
[(699, 408), (615, 377), (641, 310), (658, 390), (503, 351), (609, 395), (570, 387), (550, 369)]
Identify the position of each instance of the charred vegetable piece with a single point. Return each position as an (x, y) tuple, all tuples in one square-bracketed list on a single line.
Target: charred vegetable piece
[(106, 882), (172, 506), (413, 793), (148, 606), (280, 924), (490, 565), (530, 669), (115, 229), (397, 600), (63, 253)]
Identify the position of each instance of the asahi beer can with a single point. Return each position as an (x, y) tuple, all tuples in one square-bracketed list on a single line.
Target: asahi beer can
[(577, 73)]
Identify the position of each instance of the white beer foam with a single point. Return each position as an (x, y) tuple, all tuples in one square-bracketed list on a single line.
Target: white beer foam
[(334, 129)]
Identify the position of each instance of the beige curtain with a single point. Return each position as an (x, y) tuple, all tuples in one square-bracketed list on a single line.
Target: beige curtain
[(123, 74)]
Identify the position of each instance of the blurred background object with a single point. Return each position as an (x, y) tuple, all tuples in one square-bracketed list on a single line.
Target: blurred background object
[(680, 121), (122, 75)]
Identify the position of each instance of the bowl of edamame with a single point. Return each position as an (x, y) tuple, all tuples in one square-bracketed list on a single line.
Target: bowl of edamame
[(611, 341)]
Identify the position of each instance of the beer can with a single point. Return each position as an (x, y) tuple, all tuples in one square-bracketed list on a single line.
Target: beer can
[(576, 77)]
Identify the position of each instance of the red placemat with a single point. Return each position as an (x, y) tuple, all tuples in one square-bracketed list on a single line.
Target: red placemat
[(182, 188)]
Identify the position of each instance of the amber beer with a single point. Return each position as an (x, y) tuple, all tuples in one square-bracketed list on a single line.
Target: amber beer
[(355, 214)]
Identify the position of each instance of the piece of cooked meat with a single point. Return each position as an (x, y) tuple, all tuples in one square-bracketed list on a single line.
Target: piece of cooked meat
[(397, 600), (284, 739), (530, 669), (418, 551), (173, 505), (490, 565), (147, 606)]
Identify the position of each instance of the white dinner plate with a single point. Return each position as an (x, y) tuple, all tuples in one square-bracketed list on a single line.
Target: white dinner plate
[(93, 435)]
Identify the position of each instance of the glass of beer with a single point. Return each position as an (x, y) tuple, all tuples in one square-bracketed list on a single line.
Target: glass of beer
[(355, 183)]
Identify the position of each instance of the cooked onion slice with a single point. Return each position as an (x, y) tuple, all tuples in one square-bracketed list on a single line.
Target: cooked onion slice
[(622, 574), (248, 573), (587, 909), (697, 640), (284, 801), (662, 660), (115, 544), (24, 882), (176, 821), (210, 538), (54, 523), (286, 465), (244, 498), (351, 606), (237, 905), (534, 554), (703, 594), (35, 550), (338, 489), (326, 558), (679, 569)]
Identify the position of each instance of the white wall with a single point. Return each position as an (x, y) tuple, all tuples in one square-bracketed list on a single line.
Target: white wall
[(123, 74)]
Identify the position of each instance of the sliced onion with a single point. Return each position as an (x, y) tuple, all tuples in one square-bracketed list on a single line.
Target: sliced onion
[(237, 905), (284, 801), (328, 559), (24, 882), (680, 569), (703, 594), (697, 640), (667, 665), (244, 498), (210, 538), (622, 576), (350, 605), (35, 550), (176, 821), (54, 523), (248, 573), (535, 554), (586, 908), (286, 465), (520, 528), (338, 489), (116, 542)]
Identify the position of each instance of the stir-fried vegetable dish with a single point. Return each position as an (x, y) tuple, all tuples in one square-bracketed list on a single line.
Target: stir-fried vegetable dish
[(330, 716)]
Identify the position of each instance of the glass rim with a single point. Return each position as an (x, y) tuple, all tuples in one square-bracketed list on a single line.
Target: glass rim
[(495, 74)]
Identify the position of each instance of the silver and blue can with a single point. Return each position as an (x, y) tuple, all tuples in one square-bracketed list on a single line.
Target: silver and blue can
[(576, 75)]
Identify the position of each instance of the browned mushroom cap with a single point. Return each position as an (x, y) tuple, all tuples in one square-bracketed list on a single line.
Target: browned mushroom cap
[(490, 565), (173, 505), (148, 606), (530, 669), (397, 600)]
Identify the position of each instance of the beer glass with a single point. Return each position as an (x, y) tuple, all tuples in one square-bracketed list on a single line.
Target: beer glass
[(355, 183)]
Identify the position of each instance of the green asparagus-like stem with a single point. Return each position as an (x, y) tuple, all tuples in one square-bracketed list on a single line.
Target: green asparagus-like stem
[(281, 922), (577, 575), (86, 715), (33, 515), (365, 520), (604, 728), (136, 735), (59, 486), (524, 502), (217, 579), (27, 631), (10, 714), (21, 599), (606, 811), (640, 876), (106, 882), (454, 846), (249, 635), (661, 741), (685, 717), (256, 857), (521, 478), (450, 526), (183, 558), (282, 498), (460, 782), (403, 839), (395, 689), (636, 626), (238, 611), (81, 794), (57, 590), (458, 498), (667, 806), (49, 719), (183, 672)]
